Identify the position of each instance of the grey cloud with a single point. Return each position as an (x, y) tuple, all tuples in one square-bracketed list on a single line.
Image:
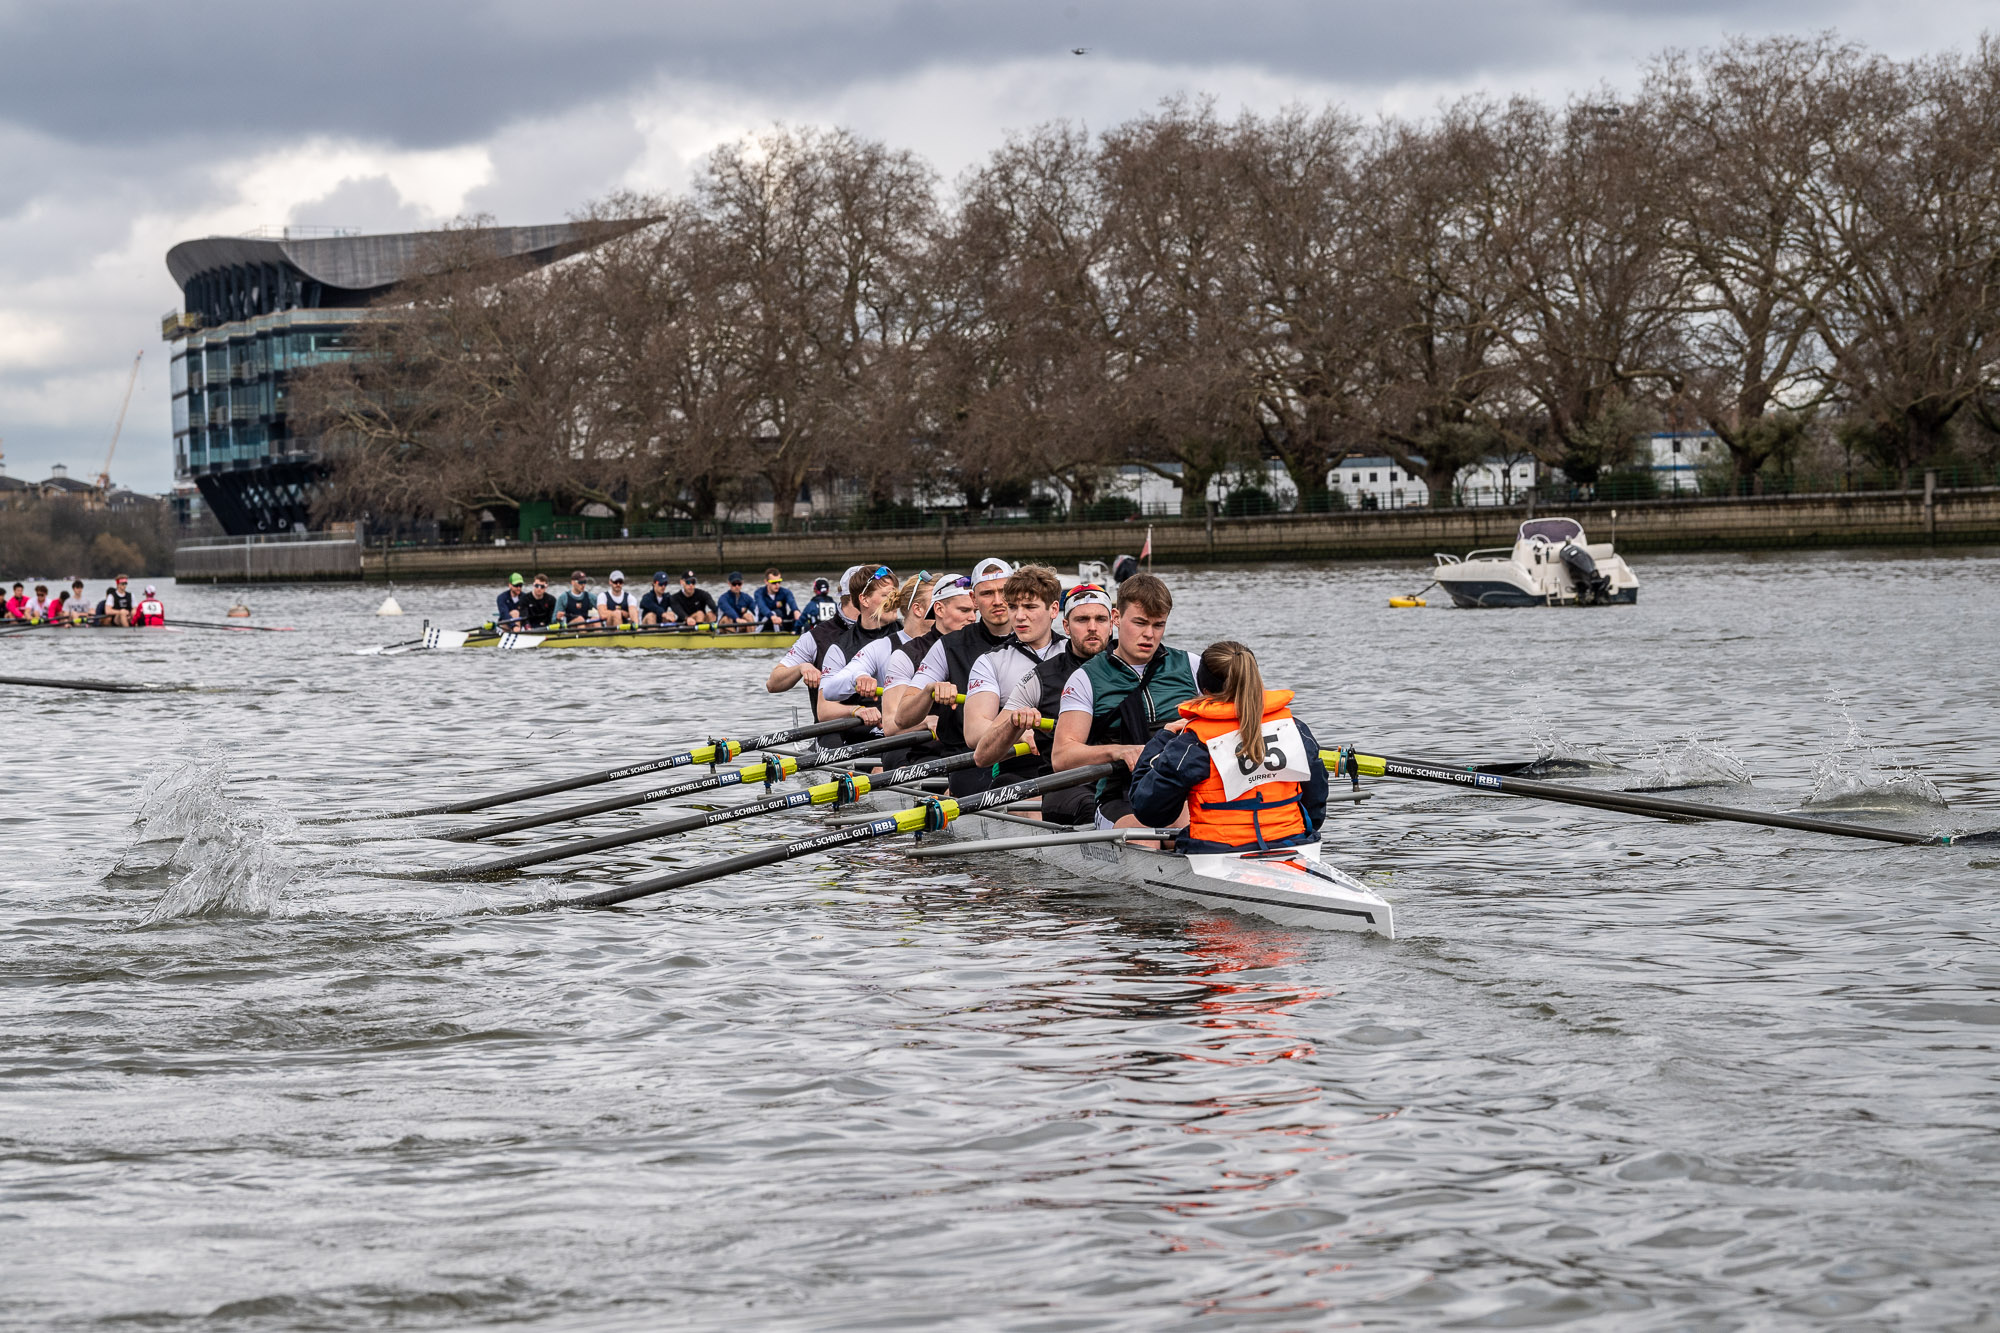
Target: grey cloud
[(429, 73)]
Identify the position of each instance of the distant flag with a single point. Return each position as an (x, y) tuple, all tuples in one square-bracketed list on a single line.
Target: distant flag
[(1146, 551)]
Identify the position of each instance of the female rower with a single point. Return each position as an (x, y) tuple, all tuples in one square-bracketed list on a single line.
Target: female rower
[(1247, 771)]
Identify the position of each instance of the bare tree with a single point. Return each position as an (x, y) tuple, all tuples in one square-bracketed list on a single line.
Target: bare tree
[(1906, 231)]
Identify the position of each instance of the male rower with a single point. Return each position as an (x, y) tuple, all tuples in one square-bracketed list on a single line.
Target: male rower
[(151, 611), (806, 659), (1112, 704), (507, 606), (777, 610), (38, 605), (876, 599), (538, 605), (574, 608), (17, 604), (1033, 594), (737, 609), (77, 609), (1087, 625), (947, 668), (614, 604), (118, 602), (692, 604), (657, 606)]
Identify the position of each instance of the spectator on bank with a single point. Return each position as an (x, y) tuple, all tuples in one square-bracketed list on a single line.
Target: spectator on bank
[(777, 609), (657, 606), (738, 609), (692, 603)]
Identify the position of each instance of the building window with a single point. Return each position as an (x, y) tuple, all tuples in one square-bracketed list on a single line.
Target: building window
[(1373, 477), (1677, 446)]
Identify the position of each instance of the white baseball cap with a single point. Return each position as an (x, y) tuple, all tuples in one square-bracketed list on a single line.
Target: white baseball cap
[(989, 569), (1085, 594), (617, 576), (846, 585), (950, 586)]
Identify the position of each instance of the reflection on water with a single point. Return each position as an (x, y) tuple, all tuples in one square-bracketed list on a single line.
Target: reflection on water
[(1619, 1073)]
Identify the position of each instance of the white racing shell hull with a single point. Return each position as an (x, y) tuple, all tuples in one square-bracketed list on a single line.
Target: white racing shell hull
[(1293, 889)]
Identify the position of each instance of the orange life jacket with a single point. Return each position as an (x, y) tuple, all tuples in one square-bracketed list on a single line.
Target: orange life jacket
[(1267, 813)]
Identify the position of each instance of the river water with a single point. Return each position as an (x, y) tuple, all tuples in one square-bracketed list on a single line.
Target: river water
[(1614, 1073)]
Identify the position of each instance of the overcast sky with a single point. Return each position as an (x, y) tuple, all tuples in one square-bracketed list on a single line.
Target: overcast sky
[(126, 127)]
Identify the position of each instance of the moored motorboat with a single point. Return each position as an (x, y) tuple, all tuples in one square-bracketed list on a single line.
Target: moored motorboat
[(1550, 564), (1289, 885)]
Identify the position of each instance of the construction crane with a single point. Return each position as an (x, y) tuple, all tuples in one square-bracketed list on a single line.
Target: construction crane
[(104, 473)]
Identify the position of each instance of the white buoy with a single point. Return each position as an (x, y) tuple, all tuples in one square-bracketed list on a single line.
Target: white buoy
[(389, 608)]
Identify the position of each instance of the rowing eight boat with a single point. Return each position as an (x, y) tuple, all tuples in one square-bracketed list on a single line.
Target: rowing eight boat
[(1288, 885), (637, 637)]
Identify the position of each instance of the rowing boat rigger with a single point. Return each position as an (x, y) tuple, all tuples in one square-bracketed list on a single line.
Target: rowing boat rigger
[(1287, 885)]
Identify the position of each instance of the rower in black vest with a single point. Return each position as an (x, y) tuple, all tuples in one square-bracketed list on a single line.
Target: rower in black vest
[(948, 664), (946, 606), (1087, 622)]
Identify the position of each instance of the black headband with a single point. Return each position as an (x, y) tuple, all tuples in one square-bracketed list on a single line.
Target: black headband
[(1207, 681)]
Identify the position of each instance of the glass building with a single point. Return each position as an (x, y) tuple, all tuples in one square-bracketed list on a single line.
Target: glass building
[(257, 308)]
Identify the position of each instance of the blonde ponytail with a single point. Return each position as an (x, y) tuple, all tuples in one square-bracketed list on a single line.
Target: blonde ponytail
[(1229, 671)]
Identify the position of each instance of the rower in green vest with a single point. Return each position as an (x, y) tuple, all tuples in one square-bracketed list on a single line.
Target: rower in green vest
[(1112, 704)]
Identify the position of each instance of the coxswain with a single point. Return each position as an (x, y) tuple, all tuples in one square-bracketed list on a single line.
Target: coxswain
[(1034, 599), (615, 605), (1246, 773), (118, 602), (574, 608), (151, 611), (947, 668), (507, 607), (657, 606), (777, 609), (1112, 704), (1087, 630), (538, 605), (736, 610), (692, 603), (821, 606)]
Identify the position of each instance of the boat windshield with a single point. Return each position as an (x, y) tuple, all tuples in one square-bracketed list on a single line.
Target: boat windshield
[(1555, 531)]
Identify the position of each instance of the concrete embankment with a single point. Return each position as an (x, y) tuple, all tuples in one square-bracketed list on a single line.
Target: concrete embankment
[(1877, 518)]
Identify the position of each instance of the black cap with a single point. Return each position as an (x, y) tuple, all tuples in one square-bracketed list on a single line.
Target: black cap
[(736, 576), (821, 585), (687, 576)]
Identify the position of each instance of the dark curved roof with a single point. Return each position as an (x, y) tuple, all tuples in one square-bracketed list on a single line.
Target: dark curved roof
[(365, 263)]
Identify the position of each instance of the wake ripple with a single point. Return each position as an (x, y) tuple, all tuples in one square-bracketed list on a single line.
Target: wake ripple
[(226, 860)]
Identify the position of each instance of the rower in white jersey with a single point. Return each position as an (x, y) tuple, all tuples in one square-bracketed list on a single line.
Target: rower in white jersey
[(848, 663), (950, 608), (1033, 593), (805, 657)]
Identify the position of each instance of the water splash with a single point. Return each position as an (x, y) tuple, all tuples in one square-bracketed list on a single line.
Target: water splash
[(1691, 761), (226, 860), (1558, 756), (1853, 774)]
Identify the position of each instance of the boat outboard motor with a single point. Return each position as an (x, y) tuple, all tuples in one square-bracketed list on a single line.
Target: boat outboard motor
[(1591, 585)]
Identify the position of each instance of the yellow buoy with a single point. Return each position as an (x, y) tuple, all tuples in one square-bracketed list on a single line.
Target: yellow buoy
[(1408, 601)]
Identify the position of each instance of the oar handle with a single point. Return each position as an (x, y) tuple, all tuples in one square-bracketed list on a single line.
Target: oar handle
[(1046, 724)]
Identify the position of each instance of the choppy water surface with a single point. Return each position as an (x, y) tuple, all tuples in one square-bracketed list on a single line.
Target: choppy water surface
[(1616, 1072)]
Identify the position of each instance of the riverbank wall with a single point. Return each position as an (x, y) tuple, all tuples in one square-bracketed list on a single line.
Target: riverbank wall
[(1915, 517)]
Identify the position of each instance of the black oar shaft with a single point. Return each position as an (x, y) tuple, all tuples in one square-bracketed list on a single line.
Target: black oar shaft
[(1626, 802), (99, 686), (604, 775), (563, 851), (901, 821), (714, 781)]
